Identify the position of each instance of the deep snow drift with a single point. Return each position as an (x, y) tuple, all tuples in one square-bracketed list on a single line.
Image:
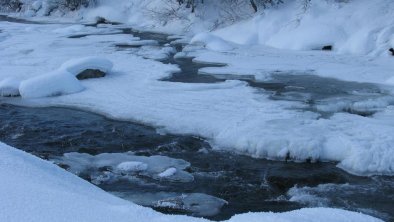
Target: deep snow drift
[(36, 190)]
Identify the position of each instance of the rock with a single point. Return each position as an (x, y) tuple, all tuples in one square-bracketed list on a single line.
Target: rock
[(327, 48), (392, 51), (90, 73), (101, 20)]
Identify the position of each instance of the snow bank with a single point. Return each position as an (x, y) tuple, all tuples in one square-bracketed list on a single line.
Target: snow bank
[(356, 27), (52, 84), (76, 66), (38, 191)]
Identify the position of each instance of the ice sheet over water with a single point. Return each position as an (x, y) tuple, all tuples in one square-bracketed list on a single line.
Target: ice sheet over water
[(111, 167)]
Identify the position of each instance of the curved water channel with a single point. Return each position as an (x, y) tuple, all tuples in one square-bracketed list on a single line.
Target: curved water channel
[(207, 183)]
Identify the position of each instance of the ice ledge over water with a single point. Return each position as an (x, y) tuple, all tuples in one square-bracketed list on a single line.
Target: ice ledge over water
[(36, 190)]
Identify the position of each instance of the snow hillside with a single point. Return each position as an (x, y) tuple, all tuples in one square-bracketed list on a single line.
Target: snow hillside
[(31, 186)]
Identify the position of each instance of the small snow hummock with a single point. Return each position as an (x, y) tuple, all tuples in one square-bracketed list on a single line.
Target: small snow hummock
[(51, 84), (168, 172), (132, 166), (76, 66), (212, 42), (9, 87)]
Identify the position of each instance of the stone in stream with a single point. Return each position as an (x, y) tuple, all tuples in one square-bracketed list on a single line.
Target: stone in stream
[(90, 73), (392, 51)]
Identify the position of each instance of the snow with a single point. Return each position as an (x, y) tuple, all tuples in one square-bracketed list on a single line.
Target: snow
[(211, 42), (230, 114), (9, 87), (36, 190), (52, 84), (351, 27), (76, 66), (168, 172)]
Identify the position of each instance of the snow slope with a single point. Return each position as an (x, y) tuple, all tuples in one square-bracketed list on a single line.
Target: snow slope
[(36, 190)]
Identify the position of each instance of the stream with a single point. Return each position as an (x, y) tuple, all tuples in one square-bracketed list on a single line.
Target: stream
[(187, 176)]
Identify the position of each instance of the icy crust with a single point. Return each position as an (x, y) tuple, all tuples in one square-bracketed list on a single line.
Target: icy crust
[(38, 191), (110, 167)]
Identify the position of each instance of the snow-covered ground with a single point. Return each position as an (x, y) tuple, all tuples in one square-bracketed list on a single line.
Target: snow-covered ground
[(36, 190)]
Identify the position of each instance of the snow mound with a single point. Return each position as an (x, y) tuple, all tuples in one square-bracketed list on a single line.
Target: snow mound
[(76, 66), (52, 84), (212, 42), (9, 87), (38, 191)]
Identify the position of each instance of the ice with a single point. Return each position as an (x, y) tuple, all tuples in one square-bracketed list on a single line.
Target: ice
[(78, 65), (197, 203), (9, 87), (168, 172), (347, 196), (132, 166), (52, 84), (110, 167)]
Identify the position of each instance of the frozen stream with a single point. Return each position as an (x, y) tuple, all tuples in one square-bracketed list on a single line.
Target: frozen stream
[(183, 174)]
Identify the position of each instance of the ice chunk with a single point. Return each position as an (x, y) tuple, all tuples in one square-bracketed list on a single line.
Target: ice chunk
[(51, 84), (9, 87), (131, 166), (76, 66), (110, 167), (198, 204), (168, 172)]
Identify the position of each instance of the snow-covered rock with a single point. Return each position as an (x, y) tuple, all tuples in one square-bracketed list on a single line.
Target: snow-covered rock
[(76, 66), (9, 87), (52, 84)]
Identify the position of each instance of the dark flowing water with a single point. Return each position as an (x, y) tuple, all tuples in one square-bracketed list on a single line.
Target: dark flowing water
[(247, 184)]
